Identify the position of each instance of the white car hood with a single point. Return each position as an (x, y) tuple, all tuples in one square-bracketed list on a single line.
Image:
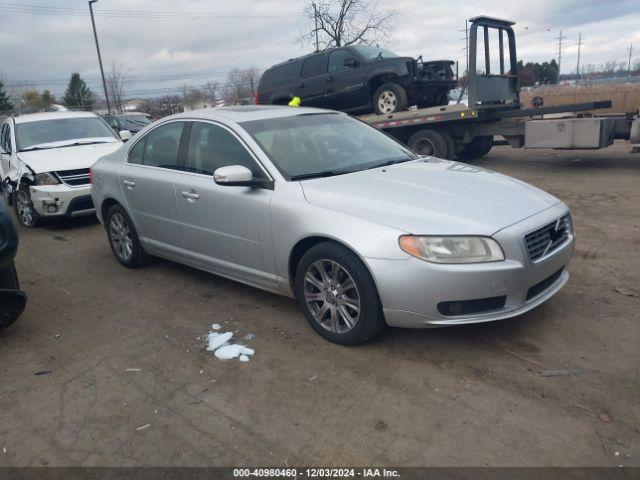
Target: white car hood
[(431, 196), (67, 158)]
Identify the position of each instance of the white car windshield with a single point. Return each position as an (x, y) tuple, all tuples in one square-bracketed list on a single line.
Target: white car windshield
[(61, 132), (324, 144)]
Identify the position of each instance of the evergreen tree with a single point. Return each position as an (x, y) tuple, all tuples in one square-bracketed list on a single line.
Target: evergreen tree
[(5, 104), (78, 94)]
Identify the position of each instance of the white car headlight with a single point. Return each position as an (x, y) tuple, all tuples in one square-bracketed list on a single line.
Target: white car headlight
[(46, 179), (452, 249)]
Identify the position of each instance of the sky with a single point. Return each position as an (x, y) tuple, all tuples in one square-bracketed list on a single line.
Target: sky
[(164, 44)]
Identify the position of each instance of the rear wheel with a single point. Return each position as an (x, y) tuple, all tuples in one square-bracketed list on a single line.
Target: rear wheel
[(431, 143), (123, 238), (25, 211), (390, 98), (337, 295), (478, 148)]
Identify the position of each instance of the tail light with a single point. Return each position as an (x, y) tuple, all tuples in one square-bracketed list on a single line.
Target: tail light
[(256, 99)]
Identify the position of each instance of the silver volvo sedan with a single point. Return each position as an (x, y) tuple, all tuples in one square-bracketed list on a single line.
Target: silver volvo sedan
[(319, 206)]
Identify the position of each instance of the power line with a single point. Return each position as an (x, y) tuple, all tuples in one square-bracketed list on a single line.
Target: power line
[(630, 53), (579, 45)]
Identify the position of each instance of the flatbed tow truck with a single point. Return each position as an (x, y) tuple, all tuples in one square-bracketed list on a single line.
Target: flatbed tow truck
[(494, 110)]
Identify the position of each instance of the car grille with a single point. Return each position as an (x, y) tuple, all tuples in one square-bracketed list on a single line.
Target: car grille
[(74, 178), (549, 238)]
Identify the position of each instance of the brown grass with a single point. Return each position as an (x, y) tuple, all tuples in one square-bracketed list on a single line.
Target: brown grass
[(625, 98)]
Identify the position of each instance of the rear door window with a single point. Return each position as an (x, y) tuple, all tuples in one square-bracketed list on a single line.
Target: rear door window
[(162, 145), (314, 66)]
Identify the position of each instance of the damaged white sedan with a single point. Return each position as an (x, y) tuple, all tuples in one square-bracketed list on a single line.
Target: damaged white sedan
[(45, 160)]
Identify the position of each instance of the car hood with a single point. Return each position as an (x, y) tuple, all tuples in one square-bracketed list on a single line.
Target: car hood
[(67, 158), (431, 196)]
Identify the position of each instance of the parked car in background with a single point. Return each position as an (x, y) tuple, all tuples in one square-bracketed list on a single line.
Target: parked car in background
[(45, 160), (132, 121), (12, 300), (358, 79), (319, 206)]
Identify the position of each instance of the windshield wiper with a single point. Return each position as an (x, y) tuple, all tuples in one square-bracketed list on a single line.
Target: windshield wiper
[(326, 173), (393, 161), (75, 144), (30, 149)]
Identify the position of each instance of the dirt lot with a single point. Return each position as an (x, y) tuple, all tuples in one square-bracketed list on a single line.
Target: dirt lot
[(458, 396)]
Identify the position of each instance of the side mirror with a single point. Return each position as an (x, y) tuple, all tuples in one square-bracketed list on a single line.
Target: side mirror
[(233, 176), (350, 62), (125, 135)]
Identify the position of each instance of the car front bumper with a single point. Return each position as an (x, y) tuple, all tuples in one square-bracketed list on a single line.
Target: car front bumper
[(412, 290), (62, 200)]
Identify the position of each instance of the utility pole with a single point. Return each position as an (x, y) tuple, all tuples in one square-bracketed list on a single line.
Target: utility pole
[(560, 38), (579, 45), (315, 18), (629, 65), (95, 36)]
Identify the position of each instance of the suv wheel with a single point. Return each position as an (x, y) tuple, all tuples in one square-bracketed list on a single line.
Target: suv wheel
[(123, 238), (25, 211), (390, 98), (337, 295)]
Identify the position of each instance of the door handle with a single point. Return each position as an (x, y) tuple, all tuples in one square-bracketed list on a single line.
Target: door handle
[(129, 184), (190, 195)]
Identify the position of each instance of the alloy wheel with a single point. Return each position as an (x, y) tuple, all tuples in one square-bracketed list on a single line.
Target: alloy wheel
[(332, 296), (24, 208), (120, 236), (387, 102)]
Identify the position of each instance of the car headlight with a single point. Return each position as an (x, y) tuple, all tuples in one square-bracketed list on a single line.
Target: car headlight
[(46, 179), (452, 249)]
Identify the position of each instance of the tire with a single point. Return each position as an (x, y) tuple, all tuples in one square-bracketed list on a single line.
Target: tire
[(23, 206), (9, 281), (451, 145), (478, 148), (123, 239), (430, 142), (390, 98), (331, 313)]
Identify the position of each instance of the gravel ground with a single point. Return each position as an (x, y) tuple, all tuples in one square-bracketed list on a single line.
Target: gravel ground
[(125, 380)]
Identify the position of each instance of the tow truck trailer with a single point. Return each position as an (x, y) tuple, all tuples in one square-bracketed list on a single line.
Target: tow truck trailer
[(493, 109)]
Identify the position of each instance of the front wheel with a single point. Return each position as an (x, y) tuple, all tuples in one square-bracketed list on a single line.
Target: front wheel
[(337, 295), (123, 238), (390, 98), (25, 211)]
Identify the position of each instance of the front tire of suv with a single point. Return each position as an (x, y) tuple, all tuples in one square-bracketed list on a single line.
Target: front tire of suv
[(123, 239), (25, 211), (390, 98), (337, 295)]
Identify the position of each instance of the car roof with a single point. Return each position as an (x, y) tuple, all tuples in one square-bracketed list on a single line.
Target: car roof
[(247, 113), (36, 117)]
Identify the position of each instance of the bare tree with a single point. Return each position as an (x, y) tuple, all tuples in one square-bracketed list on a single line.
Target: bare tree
[(241, 86), (212, 91), (338, 23), (116, 80), (192, 97), (636, 66), (610, 66)]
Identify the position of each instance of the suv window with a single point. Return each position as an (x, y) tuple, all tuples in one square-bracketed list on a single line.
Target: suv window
[(279, 75), (212, 147), (5, 138), (314, 65), (161, 146), (337, 58)]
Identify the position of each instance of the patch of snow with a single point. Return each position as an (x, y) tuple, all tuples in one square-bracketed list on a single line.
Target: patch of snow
[(216, 326), (216, 340), (227, 352), (244, 358), (249, 336)]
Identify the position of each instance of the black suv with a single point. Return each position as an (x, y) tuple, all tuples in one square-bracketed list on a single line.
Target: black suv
[(12, 300), (359, 79), (134, 122)]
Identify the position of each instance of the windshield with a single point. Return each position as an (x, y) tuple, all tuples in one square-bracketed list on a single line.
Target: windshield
[(324, 144), (61, 131), (374, 53), (133, 121)]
